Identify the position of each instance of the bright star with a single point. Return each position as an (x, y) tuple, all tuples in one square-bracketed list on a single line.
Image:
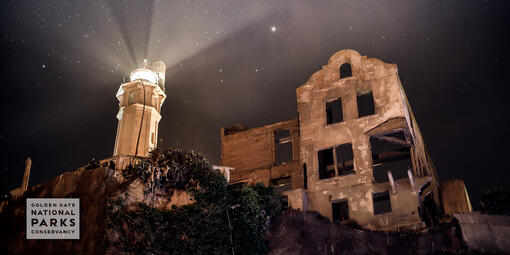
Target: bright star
[(273, 29)]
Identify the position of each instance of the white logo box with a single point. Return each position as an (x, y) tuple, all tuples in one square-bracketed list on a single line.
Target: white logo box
[(53, 218)]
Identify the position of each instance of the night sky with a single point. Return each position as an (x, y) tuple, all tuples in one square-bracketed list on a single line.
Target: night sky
[(240, 62)]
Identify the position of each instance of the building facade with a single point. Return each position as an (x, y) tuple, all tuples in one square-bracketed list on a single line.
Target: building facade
[(357, 153)]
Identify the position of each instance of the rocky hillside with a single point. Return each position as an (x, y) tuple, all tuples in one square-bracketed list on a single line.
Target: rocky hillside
[(174, 203), (171, 203), (295, 232), (91, 186)]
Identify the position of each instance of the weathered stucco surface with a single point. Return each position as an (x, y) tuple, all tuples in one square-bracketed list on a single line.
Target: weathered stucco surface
[(251, 153), (392, 113), (455, 197)]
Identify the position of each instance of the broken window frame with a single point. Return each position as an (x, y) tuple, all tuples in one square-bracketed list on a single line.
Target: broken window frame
[(342, 168), (377, 197), (281, 184), (329, 107), (282, 141), (338, 168), (405, 152)]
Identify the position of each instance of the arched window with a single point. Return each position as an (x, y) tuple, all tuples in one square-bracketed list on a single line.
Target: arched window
[(345, 70)]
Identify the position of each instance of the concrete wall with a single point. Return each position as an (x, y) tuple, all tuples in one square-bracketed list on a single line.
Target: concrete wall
[(392, 112), (252, 153), (455, 197), (485, 233)]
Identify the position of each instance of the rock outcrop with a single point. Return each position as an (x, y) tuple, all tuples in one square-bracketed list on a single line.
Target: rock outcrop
[(91, 186), (95, 188)]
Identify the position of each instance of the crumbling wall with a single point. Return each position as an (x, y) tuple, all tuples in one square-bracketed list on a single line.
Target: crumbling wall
[(423, 164), (252, 153), (391, 113)]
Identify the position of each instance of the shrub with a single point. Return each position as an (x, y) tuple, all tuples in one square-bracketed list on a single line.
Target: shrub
[(222, 219), (495, 200)]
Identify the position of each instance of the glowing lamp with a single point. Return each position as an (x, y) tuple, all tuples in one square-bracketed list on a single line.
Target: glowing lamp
[(144, 74)]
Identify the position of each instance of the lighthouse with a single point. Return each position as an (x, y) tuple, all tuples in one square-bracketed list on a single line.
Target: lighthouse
[(140, 101)]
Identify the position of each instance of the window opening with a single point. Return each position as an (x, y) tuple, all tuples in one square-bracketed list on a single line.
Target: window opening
[(282, 184), (326, 163), (390, 152), (382, 203), (365, 104), (430, 214), (334, 111), (345, 159), (283, 146), (345, 70)]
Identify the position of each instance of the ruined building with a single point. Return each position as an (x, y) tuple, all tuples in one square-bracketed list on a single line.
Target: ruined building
[(354, 153)]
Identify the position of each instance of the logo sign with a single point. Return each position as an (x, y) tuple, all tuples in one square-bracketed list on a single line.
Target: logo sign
[(53, 218)]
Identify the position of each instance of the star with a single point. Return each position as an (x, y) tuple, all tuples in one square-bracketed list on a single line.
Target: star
[(273, 29)]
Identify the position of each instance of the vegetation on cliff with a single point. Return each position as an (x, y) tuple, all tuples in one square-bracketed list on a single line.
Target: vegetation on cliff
[(495, 200), (222, 220)]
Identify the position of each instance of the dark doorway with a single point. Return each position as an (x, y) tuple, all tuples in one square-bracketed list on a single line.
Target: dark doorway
[(430, 210), (340, 211), (345, 70)]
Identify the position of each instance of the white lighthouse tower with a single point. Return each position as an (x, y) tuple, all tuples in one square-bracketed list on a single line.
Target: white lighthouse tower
[(140, 102)]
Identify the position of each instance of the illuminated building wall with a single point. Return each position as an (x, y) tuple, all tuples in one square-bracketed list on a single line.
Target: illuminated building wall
[(139, 118)]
